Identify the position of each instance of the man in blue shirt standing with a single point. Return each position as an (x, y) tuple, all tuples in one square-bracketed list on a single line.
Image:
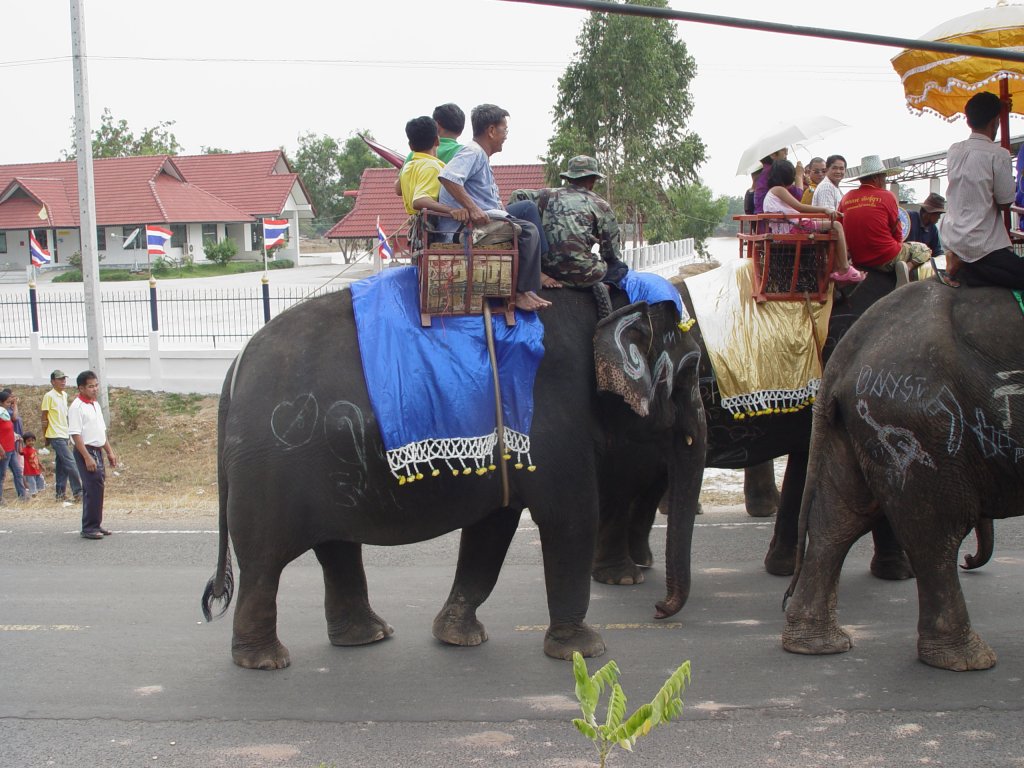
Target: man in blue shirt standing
[(468, 182), (924, 223)]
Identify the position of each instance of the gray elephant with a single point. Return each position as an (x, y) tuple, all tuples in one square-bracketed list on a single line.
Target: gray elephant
[(919, 420), (301, 466)]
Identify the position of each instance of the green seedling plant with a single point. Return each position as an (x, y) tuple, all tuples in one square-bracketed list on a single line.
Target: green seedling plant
[(666, 705)]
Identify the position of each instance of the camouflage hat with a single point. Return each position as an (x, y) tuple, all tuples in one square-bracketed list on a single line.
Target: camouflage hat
[(580, 167)]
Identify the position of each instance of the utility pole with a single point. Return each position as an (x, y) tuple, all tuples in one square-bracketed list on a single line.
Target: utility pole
[(87, 204)]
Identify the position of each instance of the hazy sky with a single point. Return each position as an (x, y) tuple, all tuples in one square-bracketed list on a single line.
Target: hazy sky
[(253, 75)]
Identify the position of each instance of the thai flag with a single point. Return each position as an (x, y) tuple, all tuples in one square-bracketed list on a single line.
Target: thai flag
[(38, 254), (273, 232), (383, 246), (156, 240)]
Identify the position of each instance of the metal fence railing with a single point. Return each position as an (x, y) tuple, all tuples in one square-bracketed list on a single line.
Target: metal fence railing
[(205, 317)]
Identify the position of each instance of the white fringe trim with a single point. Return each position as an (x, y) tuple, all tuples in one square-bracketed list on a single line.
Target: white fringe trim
[(771, 401), (462, 455)]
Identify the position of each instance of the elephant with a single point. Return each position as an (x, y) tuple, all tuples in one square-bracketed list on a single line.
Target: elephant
[(322, 481), (922, 429), (630, 499)]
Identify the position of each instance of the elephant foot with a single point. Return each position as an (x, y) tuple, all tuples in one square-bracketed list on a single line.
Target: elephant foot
[(621, 574), (892, 566), (815, 638), (641, 555), (274, 656), (458, 625), (367, 629), (760, 506), (562, 639), (970, 652), (780, 560)]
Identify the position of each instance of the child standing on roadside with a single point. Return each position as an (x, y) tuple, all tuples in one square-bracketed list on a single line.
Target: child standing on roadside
[(34, 482)]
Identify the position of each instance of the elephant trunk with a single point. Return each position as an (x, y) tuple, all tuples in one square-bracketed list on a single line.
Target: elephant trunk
[(686, 470)]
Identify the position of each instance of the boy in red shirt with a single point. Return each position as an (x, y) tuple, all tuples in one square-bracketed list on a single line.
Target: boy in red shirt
[(34, 482)]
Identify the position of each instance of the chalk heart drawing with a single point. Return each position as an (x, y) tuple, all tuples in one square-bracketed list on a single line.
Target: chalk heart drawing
[(293, 421)]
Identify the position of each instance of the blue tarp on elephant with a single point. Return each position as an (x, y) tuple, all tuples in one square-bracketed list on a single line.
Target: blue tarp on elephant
[(431, 388)]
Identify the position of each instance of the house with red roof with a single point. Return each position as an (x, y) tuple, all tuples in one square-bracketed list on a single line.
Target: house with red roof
[(376, 197), (200, 198)]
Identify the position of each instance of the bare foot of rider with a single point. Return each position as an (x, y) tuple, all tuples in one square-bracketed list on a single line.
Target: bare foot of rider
[(549, 282), (528, 301)]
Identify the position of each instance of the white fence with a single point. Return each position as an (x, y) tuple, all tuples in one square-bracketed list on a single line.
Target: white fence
[(663, 259)]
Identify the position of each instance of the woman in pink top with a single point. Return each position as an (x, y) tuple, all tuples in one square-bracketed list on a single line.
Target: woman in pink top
[(780, 200)]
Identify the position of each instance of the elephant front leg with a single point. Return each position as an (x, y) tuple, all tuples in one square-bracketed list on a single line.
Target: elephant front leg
[(482, 550), (623, 546), (350, 619), (760, 495), (254, 642), (568, 550)]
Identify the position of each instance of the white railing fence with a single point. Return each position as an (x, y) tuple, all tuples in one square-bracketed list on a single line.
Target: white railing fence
[(663, 259)]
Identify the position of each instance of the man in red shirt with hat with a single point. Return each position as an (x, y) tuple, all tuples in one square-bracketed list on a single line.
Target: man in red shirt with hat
[(871, 221)]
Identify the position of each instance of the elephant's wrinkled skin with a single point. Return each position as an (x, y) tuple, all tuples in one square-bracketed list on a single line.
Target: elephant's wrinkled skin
[(918, 420), (301, 466), (632, 485)]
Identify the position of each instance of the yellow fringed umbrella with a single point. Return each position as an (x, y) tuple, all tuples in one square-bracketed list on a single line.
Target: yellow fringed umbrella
[(941, 83)]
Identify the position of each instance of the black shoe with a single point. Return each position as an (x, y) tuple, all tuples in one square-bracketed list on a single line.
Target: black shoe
[(77, 499), (92, 535), (61, 498), (104, 531)]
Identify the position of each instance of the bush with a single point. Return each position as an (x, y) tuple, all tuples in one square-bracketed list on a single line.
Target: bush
[(221, 252), (280, 264), (75, 260), (129, 409)]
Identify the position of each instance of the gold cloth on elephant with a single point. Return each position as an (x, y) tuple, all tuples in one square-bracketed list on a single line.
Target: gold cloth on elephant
[(763, 354)]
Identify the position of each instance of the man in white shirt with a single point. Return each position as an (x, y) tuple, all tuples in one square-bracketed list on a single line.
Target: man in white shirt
[(89, 433), (981, 186), (827, 194)]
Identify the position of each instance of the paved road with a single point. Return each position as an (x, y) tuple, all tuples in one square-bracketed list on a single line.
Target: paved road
[(105, 663)]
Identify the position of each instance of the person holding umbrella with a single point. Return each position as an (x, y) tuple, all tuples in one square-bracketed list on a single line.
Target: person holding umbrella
[(981, 186)]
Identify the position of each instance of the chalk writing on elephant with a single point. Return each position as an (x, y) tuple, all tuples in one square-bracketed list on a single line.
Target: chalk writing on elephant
[(891, 384), (1007, 391), (896, 444), (993, 441), (293, 421)]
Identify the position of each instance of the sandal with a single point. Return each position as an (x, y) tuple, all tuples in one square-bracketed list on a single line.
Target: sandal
[(851, 275)]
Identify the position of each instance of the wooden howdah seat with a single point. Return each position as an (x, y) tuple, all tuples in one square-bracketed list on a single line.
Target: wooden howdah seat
[(787, 267), (457, 278)]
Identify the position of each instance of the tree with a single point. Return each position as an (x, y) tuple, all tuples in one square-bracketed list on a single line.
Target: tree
[(116, 139), (691, 211), (205, 150), (329, 168), (625, 99), (907, 194)]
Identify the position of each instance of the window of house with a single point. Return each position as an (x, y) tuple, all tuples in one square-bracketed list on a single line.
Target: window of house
[(101, 238), (179, 235), (210, 233), (42, 237), (3, 242), (138, 235), (256, 236)]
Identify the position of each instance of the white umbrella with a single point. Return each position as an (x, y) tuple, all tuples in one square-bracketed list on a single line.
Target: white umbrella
[(786, 135)]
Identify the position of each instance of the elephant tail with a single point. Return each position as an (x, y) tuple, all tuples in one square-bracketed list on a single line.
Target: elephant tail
[(825, 412), (221, 586)]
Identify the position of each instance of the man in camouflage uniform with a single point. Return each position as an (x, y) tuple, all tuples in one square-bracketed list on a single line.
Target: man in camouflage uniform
[(574, 219)]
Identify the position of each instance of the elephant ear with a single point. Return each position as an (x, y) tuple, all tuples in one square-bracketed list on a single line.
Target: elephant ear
[(622, 344)]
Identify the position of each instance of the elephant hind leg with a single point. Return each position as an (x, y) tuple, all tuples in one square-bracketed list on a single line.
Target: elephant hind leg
[(350, 619), (945, 637), (254, 642), (835, 520), (482, 550)]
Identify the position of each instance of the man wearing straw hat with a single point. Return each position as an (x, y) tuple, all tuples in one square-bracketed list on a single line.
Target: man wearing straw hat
[(871, 221)]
